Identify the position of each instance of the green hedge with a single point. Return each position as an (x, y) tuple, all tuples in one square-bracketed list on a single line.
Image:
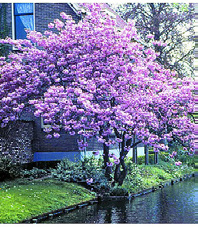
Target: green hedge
[(141, 159), (162, 156)]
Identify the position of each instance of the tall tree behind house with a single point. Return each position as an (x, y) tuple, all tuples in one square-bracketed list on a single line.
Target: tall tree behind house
[(170, 23)]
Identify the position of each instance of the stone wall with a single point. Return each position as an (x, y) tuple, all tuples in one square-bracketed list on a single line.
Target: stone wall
[(16, 141)]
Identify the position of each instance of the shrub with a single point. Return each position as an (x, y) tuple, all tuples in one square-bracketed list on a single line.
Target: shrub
[(119, 191), (164, 156), (88, 172), (185, 158), (173, 170), (8, 169), (157, 172), (34, 173), (133, 180), (141, 159)]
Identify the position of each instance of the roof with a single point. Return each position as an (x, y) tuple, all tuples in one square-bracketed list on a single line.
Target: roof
[(79, 8)]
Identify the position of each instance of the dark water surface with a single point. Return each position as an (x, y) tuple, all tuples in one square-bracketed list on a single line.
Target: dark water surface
[(172, 204)]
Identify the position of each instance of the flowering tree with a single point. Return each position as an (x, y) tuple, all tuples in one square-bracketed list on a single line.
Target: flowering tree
[(93, 80)]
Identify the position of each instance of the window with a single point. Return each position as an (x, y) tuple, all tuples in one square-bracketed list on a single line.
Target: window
[(44, 125), (23, 18)]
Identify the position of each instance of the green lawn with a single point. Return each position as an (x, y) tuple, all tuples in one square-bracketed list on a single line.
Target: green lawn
[(21, 200), (141, 177)]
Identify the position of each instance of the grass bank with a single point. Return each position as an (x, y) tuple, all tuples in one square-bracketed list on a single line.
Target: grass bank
[(196, 163), (141, 177), (21, 199)]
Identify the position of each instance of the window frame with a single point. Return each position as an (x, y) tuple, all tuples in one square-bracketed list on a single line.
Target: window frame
[(14, 24), (43, 125)]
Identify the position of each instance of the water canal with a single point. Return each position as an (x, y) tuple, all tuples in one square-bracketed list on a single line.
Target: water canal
[(172, 204)]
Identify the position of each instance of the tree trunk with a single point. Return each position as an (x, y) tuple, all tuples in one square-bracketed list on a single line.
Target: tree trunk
[(108, 170), (135, 155), (134, 152), (155, 158), (146, 155), (121, 169), (119, 175)]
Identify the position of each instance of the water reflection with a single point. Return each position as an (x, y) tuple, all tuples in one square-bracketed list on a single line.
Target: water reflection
[(173, 204)]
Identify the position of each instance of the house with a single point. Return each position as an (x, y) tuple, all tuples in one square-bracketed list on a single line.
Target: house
[(27, 139)]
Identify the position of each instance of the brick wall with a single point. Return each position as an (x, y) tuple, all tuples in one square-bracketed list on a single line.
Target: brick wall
[(47, 12), (16, 141), (5, 26), (6, 16)]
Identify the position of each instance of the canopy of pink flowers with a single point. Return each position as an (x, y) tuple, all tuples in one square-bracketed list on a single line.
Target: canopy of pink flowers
[(91, 79)]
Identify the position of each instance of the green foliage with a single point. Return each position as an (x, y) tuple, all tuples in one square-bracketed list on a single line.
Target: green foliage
[(185, 158), (173, 170), (141, 159), (34, 173), (133, 180), (8, 169), (141, 177), (81, 171), (164, 156), (156, 172), (22, 199), (138, 177), (119, 191), (182, 155), (181, 6)]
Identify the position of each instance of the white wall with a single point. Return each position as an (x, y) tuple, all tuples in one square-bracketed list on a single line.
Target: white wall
[(140, 151)]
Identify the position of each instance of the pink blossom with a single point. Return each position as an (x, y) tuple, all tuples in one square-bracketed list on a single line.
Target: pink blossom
[(150, 36), (64, 15), (89, 181), (109, 164), (174, 153), (101, 140), (50, 25), (96, 153), (58, 24), (118, 140), (48, 136), (56, 135), (89, 78), (178, 163), (117, 161)]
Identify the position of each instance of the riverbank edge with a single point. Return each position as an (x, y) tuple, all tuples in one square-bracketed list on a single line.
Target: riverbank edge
[(148, 190), (54, 213), (101, 198)]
